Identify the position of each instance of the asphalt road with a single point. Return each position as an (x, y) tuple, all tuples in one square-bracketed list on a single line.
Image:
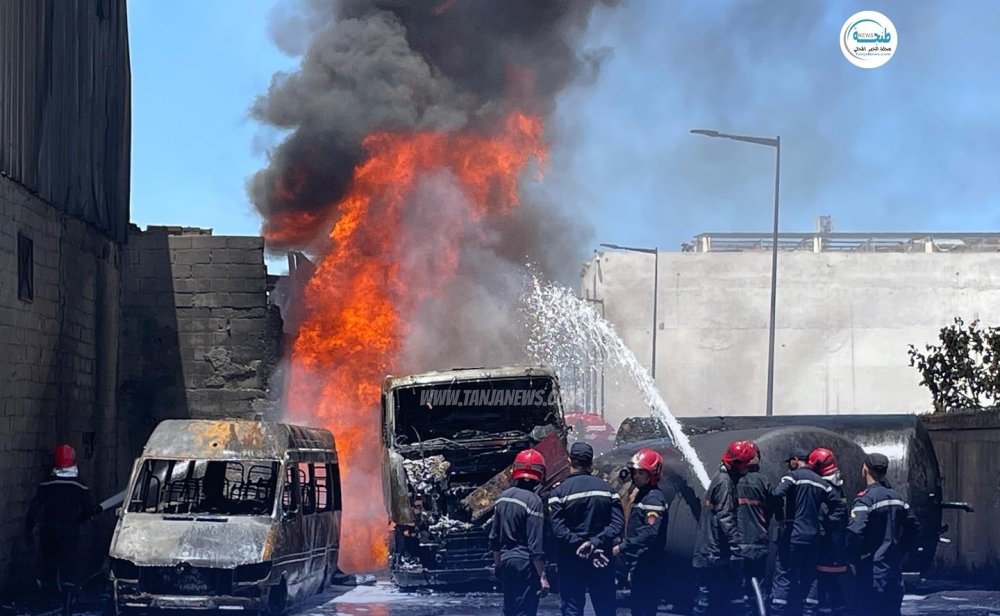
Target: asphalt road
[(939, 599), (384, 600)]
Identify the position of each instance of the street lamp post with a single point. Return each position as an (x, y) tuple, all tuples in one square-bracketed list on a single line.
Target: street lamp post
[(656, 280), (774, 142)]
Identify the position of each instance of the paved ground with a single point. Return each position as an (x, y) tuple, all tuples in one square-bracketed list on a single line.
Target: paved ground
[(384, 600)]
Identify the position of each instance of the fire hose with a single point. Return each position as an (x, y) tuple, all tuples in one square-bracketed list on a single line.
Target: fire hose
[(758, 596)]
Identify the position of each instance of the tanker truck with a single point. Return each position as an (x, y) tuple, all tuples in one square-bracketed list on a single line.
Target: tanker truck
[(913, 471)]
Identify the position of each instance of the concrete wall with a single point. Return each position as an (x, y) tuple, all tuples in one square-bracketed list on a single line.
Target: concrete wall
[(58, 361), (844, 321), (968, 450), (198, 338)]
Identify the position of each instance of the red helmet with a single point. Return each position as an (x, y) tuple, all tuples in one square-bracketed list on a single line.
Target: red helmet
[(649, 461), (823, 461), (738, 455), (65, 456), (529, 464)]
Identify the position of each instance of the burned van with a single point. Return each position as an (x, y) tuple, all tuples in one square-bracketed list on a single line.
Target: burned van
[(450, 439), (230, 515)]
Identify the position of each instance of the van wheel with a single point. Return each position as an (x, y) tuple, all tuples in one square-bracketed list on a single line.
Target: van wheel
[(277, 600)]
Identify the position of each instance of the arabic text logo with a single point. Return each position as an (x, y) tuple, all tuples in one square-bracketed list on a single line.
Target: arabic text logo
[(868, 39)]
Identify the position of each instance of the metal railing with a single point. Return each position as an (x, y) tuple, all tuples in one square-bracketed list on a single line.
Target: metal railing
[(918, 242)]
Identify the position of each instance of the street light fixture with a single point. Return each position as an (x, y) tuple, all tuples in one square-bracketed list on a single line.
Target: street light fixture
[(656, 278), (774, 142)]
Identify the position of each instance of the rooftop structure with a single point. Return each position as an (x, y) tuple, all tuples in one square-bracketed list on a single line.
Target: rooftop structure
[(903, 242)]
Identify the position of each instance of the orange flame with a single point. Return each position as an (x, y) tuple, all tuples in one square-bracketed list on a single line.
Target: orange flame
[(359, 299)]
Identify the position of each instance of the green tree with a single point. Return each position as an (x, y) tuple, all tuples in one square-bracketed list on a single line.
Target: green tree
[(963, 372)]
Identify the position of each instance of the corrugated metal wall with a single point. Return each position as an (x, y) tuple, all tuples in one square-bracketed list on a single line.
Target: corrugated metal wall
[(65, 105)]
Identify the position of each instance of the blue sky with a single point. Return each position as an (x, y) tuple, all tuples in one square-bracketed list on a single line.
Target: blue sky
[(912, 145)]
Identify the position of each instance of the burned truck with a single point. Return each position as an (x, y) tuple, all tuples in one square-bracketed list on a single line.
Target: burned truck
[(449, 441)]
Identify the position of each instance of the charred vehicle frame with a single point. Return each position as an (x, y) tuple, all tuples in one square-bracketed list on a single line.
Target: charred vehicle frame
[(449, 440), (228, 514)]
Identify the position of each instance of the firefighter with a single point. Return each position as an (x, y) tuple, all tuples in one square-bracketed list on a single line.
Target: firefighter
[(645, 533), (830, 587), (755, 507), (586, 517), (803, 494), (516, 537), (881, 530), (62, 504), (717, 558)]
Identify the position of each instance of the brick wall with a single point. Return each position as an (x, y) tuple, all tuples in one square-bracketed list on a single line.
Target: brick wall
[(198, 339), (57, 360)]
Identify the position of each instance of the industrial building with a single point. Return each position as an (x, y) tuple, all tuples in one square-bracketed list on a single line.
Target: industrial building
[(848, 306), (105, 329)]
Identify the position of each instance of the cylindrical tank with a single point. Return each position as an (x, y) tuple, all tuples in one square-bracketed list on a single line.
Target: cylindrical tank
[(913, 465), (685, 493)]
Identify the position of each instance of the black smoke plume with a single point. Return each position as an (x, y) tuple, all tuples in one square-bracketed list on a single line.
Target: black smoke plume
[(397, 65)]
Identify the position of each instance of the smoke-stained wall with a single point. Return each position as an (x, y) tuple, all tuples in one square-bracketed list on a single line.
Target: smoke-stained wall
[(59, 322), (844, 323), (199, 339)]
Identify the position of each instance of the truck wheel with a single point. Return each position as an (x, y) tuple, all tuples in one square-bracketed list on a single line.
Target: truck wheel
[(277, 600)]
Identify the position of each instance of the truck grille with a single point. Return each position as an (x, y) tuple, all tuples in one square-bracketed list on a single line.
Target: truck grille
[(466, 550), (184, 579)]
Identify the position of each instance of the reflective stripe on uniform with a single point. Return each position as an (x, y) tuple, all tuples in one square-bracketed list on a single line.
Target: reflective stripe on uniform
[(831, 568), (579, 495), (650, 507), (889, 502), (794, 481), (507, 499), (62, 481)]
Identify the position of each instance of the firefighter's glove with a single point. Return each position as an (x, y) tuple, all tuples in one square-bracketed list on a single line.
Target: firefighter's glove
[(600, 559)]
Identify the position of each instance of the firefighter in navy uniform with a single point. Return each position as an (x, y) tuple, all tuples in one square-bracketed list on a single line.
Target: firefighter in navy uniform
[(717, 561), (803, 493), (832, 578), (586, 517), (882, 529), (645, 533), (755, 507), (516, 537), (62, 504)]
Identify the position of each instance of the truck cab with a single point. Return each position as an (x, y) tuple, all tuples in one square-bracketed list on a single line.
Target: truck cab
[(449, 440)]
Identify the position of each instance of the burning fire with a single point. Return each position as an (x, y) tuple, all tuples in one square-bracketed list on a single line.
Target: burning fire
[(359, 299)]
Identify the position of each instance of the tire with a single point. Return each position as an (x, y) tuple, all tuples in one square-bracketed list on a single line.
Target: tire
[(277, 600)]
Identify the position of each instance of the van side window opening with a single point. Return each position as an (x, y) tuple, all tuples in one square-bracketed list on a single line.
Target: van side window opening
[(308, 489), (335, 479), (321, 482), (221, 487), (290, 496)]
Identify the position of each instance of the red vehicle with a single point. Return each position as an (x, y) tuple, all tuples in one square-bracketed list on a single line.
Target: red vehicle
[(591, 428)]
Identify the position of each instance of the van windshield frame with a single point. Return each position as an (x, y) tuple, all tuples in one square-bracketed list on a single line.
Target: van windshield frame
[(206, 487)]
